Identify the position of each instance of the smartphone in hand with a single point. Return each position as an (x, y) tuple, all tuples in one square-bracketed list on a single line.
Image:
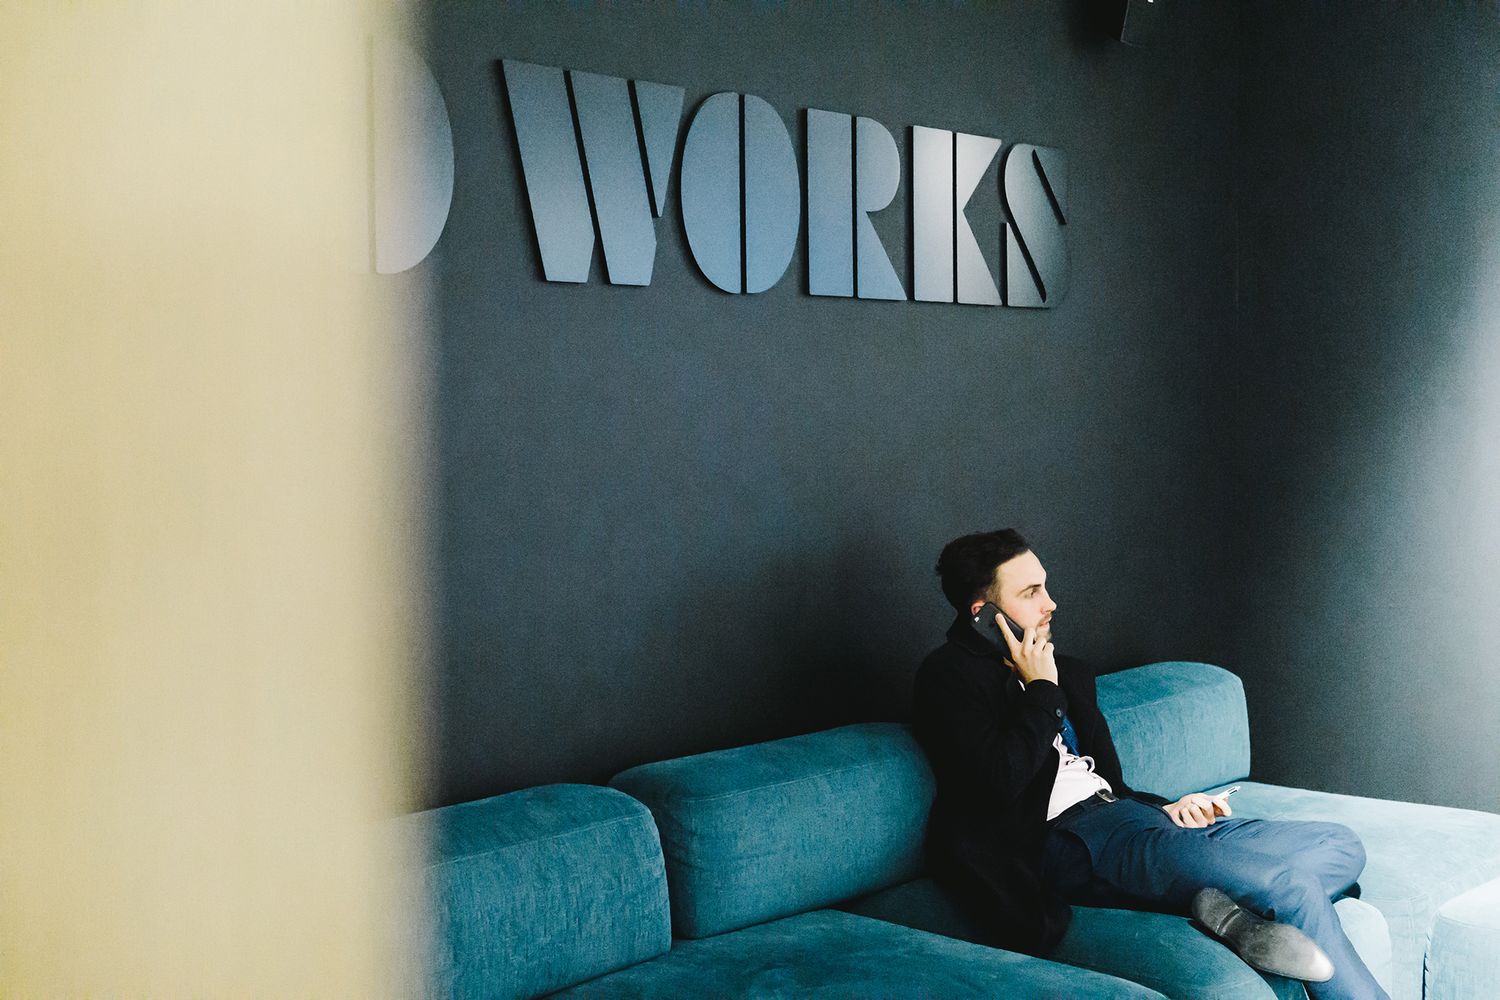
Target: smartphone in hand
[(984, 624), (1221, 801)]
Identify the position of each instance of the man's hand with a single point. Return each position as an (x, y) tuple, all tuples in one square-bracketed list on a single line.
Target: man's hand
[(1033, 660), (1198, 810)]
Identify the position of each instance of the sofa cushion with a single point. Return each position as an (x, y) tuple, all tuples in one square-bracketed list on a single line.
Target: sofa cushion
[(764, 831), (1157, 716), (1368, 931), (1464, 957), (539, 889), (1419, 857), (1167, 953), (839, 955)]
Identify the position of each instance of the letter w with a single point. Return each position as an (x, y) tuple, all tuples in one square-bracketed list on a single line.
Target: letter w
[(620, 123)]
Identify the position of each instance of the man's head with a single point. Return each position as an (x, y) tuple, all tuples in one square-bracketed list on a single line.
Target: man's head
[(997, 566)]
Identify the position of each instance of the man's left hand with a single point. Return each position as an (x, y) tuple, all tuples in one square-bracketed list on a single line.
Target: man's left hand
[(1197, 810)]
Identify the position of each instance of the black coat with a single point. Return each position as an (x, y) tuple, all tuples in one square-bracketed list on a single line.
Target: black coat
[(990, 745)]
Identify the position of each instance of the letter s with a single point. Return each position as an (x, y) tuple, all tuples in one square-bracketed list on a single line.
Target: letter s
[(1036, 202)]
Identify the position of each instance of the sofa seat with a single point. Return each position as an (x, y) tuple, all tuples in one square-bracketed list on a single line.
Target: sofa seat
[(1170, 953), (831, 954), (1419, 857), (1165, 952)]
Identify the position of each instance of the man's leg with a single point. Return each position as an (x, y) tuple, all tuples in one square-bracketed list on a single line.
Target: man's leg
[(1141, 852), (1330, 852)]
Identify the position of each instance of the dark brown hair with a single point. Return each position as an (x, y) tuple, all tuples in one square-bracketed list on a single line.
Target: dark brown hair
[(967, 565)]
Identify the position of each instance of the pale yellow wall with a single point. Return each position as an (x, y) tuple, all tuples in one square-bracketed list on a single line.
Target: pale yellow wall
[(208, 602)]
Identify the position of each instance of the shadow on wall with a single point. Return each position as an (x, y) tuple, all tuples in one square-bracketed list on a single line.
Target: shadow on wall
[(804, 644), (1095, 24)]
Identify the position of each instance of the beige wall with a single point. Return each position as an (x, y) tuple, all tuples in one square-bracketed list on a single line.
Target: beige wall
[(207, 597)]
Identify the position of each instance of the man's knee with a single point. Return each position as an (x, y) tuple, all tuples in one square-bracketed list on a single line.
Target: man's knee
[(1338, 838), (1341, 834), (1285, 890)]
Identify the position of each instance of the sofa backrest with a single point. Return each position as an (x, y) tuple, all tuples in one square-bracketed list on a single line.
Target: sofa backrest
[(764, 831), (1179, 727), (537, 890)]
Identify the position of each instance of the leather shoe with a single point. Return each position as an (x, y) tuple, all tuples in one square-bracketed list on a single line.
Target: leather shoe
[(1280, 949)]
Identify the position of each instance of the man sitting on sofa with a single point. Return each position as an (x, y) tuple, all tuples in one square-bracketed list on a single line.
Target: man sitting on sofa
[(1032, 812)]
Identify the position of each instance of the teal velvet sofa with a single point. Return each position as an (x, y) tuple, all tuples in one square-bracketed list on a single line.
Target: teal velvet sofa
[(794, 868), (562, 890), (1420, 857), (1431, 870)]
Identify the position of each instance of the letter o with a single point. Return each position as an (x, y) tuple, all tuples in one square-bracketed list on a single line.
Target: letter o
[(710, 190), (773, 196), (713, 161)]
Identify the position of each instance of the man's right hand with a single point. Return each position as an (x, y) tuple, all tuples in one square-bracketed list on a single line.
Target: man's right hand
[(1032, 659)]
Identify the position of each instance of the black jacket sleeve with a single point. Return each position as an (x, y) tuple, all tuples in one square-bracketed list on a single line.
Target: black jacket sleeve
[(993, 750)]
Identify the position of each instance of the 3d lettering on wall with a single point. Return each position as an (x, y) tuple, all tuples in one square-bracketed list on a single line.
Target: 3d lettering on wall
[(741, 193), (597, 154), (411, 157)]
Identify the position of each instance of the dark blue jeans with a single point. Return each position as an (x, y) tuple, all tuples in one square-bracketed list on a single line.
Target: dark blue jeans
[(1131, 854)]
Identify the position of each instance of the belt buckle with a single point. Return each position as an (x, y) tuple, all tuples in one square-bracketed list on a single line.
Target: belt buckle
[(1107, 796)]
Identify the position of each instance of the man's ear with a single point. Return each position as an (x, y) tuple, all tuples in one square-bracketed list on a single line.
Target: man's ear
[(974, 608)]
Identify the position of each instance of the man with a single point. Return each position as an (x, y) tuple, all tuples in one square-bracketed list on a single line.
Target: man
[(1033, 813)]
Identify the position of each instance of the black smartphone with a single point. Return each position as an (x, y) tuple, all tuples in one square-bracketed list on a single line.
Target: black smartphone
[(984, 624)]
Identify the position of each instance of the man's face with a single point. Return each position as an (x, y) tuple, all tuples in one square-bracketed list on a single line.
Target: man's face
[(1020, 589)]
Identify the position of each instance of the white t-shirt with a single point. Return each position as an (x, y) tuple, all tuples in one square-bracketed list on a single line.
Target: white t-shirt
[(1075, 780)]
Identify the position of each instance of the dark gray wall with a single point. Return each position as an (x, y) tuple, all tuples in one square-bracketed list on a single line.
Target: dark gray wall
[(667, 519), (1364, 385)]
